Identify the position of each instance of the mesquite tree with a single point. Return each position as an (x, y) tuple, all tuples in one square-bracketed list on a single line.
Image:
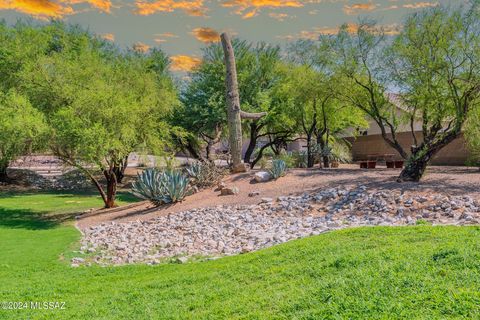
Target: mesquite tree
[(22, 128), (435, 64), (100, 106)]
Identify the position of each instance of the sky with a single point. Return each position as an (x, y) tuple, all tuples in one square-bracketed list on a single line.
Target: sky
[(182, 27)]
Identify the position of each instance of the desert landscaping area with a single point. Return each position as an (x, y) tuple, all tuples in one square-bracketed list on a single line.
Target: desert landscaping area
[(327, 173)]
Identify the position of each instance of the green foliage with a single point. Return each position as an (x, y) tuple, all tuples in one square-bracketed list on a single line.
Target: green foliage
[(22, 127), (204, 175), (299, 159), (472, 135), (278, 169), (99, 102), (161, 187)]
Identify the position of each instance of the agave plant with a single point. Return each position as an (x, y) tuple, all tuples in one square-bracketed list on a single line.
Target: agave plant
[(279, 168), (194, 170), (160, 187), (176, 186)]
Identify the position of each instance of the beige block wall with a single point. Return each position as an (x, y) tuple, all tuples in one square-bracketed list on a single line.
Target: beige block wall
[(455, 153)]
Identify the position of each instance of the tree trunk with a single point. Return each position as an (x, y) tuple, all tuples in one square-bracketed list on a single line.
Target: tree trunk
[(120, 170), (233, 106), (192, 150), (414, 170), (111, 188), (3, 174), (323, 144), (310, 155), (253, 142)]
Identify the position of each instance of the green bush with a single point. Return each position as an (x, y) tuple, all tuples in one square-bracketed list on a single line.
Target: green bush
[(161, 187), (279, 168)]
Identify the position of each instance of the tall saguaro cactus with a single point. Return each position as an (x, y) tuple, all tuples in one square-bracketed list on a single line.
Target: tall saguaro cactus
[(234, 113)]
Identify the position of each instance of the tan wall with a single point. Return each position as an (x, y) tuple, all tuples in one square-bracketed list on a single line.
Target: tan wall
[(455, 153)]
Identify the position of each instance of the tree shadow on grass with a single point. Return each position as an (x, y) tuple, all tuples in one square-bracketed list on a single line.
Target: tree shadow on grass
[(31, 220), (26, 218)]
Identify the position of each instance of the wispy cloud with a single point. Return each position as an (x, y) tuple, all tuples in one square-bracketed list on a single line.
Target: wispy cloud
[(206, 35), (420, 5), (278, 16), (358, 8), (163, 37), (315, 33), (250, 8), (184, 62), (191, 7)]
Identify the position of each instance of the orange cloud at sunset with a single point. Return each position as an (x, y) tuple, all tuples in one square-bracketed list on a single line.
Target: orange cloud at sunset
[(184, 63), (252, 6), (43, 9), (141, 47), (358, 8), (206, 35), (190, 7), (108, 37)]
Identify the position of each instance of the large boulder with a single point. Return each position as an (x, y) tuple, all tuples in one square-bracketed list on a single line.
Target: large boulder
[(263, 176)]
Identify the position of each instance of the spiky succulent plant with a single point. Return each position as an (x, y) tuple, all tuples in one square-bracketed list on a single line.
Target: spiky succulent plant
[(279, 168), (161, 187)]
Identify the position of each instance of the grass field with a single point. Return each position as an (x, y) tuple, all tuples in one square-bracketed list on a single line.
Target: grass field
[(417, 272)]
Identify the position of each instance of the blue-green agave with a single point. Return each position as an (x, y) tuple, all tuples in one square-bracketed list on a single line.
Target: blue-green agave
[(161, 187), (279, 168)]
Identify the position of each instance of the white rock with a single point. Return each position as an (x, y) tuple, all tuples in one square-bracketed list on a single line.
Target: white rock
[(263, 176)]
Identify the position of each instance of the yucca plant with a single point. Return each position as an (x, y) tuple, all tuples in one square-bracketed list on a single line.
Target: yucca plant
[(279, 168), (160, 187)]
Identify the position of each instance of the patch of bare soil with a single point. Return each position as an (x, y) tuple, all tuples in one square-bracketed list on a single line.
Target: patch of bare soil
[(443, 180)]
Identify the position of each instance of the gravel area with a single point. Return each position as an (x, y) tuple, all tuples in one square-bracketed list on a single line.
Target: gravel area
[(448, 180), (233, 229)]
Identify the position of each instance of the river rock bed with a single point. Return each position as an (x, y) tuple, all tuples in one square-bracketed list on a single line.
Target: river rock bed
[(230, 230)]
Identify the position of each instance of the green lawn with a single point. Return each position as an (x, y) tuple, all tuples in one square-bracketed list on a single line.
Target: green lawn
[(418, 272)]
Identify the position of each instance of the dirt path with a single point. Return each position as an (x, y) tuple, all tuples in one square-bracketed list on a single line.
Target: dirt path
[(448, 180)]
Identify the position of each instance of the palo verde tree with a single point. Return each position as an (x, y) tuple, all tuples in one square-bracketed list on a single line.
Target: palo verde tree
[(100, 107), (314, 89), (434, 62), (22, 129)]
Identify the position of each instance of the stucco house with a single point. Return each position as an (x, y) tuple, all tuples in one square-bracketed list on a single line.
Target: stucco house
[(371, 141)]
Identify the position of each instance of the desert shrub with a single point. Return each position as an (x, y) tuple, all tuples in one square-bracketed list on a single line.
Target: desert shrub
[(205, 175), (299, 159), (262, 163), (279, 168), (160, 187), (341, 152), (286, 157)]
